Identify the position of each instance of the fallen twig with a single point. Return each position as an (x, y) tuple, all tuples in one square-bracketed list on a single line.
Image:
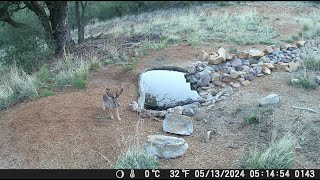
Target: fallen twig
[(101, 117), (307, 109)]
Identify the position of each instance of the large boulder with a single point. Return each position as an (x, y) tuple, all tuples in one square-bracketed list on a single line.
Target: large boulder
[(178, 124), (271, 99), (165, 147)]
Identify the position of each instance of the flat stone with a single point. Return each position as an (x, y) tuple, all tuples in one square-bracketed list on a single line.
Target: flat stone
[(256, 54), (245, 83), (178, 124), (165, 147)]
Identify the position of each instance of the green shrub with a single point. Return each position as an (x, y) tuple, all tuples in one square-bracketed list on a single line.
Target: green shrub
[(71, 72), (305, 81), (251, 119), (136, 158), (16, 85), (279, 155), (80, 83), (46, 93), (95, 66)]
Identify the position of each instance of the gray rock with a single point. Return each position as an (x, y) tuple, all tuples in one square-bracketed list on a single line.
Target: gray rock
[(191, 68), (165, 147), (264, 59), (257, 70), (191, 109), (178, 124), (175, 110), (217, 83), (228, 64), (249, 77), (236, 62), (253, 61), (204, 80), (246, 62), (318, 79), (276, 53), (234, 74), (271, 99), (239, 68)]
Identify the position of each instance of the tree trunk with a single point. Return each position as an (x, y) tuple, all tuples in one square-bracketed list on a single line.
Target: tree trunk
[(80, 21), (59, 23), (44, 20)]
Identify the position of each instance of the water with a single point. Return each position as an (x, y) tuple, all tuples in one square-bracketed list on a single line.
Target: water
[(165, 89)]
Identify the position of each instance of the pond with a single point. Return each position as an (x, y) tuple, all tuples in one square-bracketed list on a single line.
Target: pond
[(166, 89)]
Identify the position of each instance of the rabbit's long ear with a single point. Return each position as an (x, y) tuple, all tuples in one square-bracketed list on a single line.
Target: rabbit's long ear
[(109, 93), (119, 91)]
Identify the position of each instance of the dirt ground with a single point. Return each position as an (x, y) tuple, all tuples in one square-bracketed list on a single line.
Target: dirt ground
[(66, 130)]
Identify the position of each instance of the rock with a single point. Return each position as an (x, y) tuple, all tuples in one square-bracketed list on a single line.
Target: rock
[(215, 60), (300, 44), (235, 85), (204, 80), (273, 47), (217, 83), (266, 70), (234, 74), (268, 65), (176, 110), (245, 68), (215, 76), (239, 68), (230, 56), (191, 68), (205, 56), (256, 54), (260, 63), (286, 46), (134, 106), (246, 63), (245, 83), (219, 57), (271, 99), (241, 79), (228, 64), (268, 50), (178, 124), (243, 55), (294, 81), (260, 75), (191, 109), (318, 79), (249, 77), (253, 61), (236, 63), (165, 147), (292, 66), (264, 59), (257, 70)]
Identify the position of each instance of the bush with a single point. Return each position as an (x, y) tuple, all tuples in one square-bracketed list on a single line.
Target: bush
[(251, 119), (46, 93), (279, 155), (26, 47), (136, 158), (16, 85), (71, 72)]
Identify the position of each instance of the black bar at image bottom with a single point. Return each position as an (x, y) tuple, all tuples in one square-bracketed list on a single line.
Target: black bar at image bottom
[(160, 174)]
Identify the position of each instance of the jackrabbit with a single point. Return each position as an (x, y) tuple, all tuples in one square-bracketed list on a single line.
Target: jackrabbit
[(111, 101)]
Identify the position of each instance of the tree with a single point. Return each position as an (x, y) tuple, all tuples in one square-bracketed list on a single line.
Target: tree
[(80, 19), (52, 16)]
